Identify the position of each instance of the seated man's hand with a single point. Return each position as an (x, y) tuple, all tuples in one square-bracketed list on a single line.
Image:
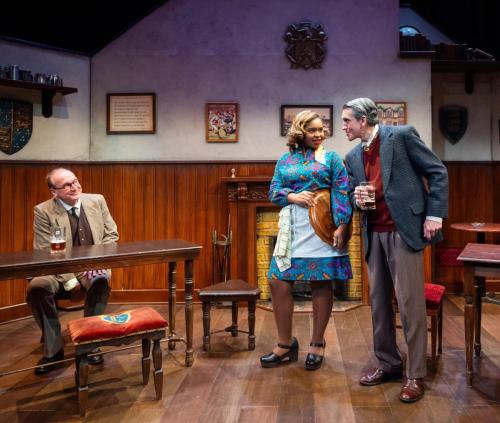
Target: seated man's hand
[(92, 274)]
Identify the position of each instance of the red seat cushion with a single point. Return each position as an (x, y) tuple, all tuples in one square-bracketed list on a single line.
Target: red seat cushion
[(433, 295), (105, 326)]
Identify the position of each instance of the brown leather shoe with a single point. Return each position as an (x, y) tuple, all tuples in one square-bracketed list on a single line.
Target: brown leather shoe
[(378, 376), (412, 390)]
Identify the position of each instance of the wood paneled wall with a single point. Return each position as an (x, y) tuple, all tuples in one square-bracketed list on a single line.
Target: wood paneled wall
[(474, 197), (187, 200), (147, 201)]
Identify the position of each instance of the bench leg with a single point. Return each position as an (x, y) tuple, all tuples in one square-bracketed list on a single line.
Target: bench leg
[(81, 376), (251, 325), (146, 360), (206, 325), (158, 375), (234, 313)]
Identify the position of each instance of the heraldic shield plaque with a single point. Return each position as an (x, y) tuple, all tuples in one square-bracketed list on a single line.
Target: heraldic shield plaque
[(453, 122), (306, 45), (16, 125)]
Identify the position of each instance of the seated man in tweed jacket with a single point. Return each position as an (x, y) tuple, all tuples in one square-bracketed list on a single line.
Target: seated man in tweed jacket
[(87, 221)]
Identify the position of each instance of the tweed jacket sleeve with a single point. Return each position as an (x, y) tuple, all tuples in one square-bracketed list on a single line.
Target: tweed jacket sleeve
[(427, 164)]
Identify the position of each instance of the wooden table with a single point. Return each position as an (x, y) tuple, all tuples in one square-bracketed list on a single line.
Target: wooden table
[(480, 261), (481, 229), (25, 264)]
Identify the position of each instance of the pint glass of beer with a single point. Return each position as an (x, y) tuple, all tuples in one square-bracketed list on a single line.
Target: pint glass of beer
[(57, 239), (368, 195)]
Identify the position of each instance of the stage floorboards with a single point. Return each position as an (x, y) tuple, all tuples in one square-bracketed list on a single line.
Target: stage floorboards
[(228, 384)]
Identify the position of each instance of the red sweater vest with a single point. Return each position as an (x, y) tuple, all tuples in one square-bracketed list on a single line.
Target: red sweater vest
[(379, 220)]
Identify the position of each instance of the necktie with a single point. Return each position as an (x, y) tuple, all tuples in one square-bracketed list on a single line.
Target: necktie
[(74, 212)]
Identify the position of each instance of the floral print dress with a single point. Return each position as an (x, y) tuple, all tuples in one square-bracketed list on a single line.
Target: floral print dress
[(296, 172)]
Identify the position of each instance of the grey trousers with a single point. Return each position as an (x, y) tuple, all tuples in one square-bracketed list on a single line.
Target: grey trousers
[(395, 267), (40, 297)]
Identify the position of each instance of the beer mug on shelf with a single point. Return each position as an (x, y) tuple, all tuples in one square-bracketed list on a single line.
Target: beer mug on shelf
[(57, 239)]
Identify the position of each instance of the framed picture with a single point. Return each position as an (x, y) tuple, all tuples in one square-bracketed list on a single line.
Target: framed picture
[(131, 113), (289, 111), (222, 122), (392, 113)]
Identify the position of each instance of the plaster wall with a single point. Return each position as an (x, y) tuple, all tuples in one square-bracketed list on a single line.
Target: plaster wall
[(481, 140), (191, 52), (65, 135)]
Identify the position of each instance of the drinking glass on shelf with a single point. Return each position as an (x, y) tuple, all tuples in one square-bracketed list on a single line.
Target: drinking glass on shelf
[(368, 195), (57, 239)]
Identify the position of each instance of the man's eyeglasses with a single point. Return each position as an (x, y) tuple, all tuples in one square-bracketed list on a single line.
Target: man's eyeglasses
[(68, 185)]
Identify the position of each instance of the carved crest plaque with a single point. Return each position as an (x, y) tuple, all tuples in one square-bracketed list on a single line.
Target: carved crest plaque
[(306, 45), (453, 122), (16, 125)]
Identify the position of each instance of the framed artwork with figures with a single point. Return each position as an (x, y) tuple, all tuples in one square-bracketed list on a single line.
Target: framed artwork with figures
[(289, 111), (392, 113), (221, 122)]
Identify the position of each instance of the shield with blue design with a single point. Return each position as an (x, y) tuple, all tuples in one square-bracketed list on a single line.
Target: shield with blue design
[(119, 319), (16, 125)]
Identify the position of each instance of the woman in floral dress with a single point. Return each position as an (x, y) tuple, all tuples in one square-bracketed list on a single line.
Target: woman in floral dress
[(300, 254)]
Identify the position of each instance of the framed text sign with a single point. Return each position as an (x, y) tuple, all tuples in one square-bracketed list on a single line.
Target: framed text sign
[(131, 113)]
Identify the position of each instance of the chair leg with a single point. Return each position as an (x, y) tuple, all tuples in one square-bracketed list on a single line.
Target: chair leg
[(433, 340), (146, 360), (82, 373), (206, 325), (234, 313), (440, 330), (157, 362), (251, 325)]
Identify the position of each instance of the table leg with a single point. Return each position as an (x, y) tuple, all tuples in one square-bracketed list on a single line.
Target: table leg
[(479, 286), (172, 288), (189, 311), (469, 319)]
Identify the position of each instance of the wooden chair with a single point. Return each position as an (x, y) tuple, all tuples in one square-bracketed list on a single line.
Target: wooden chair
[(89, 333), (434, 295), (232, 290)]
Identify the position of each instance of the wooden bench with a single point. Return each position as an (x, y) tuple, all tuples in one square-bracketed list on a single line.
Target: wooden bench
[(90, 333)]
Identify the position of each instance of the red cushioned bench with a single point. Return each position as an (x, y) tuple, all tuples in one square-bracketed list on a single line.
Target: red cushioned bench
[(89, 333)]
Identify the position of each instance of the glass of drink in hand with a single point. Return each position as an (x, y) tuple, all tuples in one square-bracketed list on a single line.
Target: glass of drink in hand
[(368, 195), (57, 239)]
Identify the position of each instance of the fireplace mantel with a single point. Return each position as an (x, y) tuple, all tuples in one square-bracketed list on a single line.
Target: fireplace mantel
[(245, 195), (249, 188)]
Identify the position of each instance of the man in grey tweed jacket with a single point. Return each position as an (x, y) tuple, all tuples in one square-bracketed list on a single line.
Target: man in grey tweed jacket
[(408, 215)]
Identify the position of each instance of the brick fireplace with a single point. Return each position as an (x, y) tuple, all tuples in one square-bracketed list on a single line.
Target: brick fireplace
[(255, 225)]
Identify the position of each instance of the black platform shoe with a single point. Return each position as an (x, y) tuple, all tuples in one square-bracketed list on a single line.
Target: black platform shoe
[(314, 361), (275, 360)]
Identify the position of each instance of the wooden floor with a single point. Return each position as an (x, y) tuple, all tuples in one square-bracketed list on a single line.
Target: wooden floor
[(228, 385)]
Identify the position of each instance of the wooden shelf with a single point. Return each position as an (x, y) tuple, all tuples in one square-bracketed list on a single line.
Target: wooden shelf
[(48, 92), (465, 65)]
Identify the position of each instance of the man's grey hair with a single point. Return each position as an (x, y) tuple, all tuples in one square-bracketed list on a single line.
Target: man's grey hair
[(363, 107)]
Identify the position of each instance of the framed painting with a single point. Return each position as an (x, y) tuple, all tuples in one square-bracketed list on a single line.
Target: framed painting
[(221, 122), (131, 113), (289, 111), (392, 113)]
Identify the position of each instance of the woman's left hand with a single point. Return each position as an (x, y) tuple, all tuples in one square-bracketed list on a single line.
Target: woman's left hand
[(340, 236)]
